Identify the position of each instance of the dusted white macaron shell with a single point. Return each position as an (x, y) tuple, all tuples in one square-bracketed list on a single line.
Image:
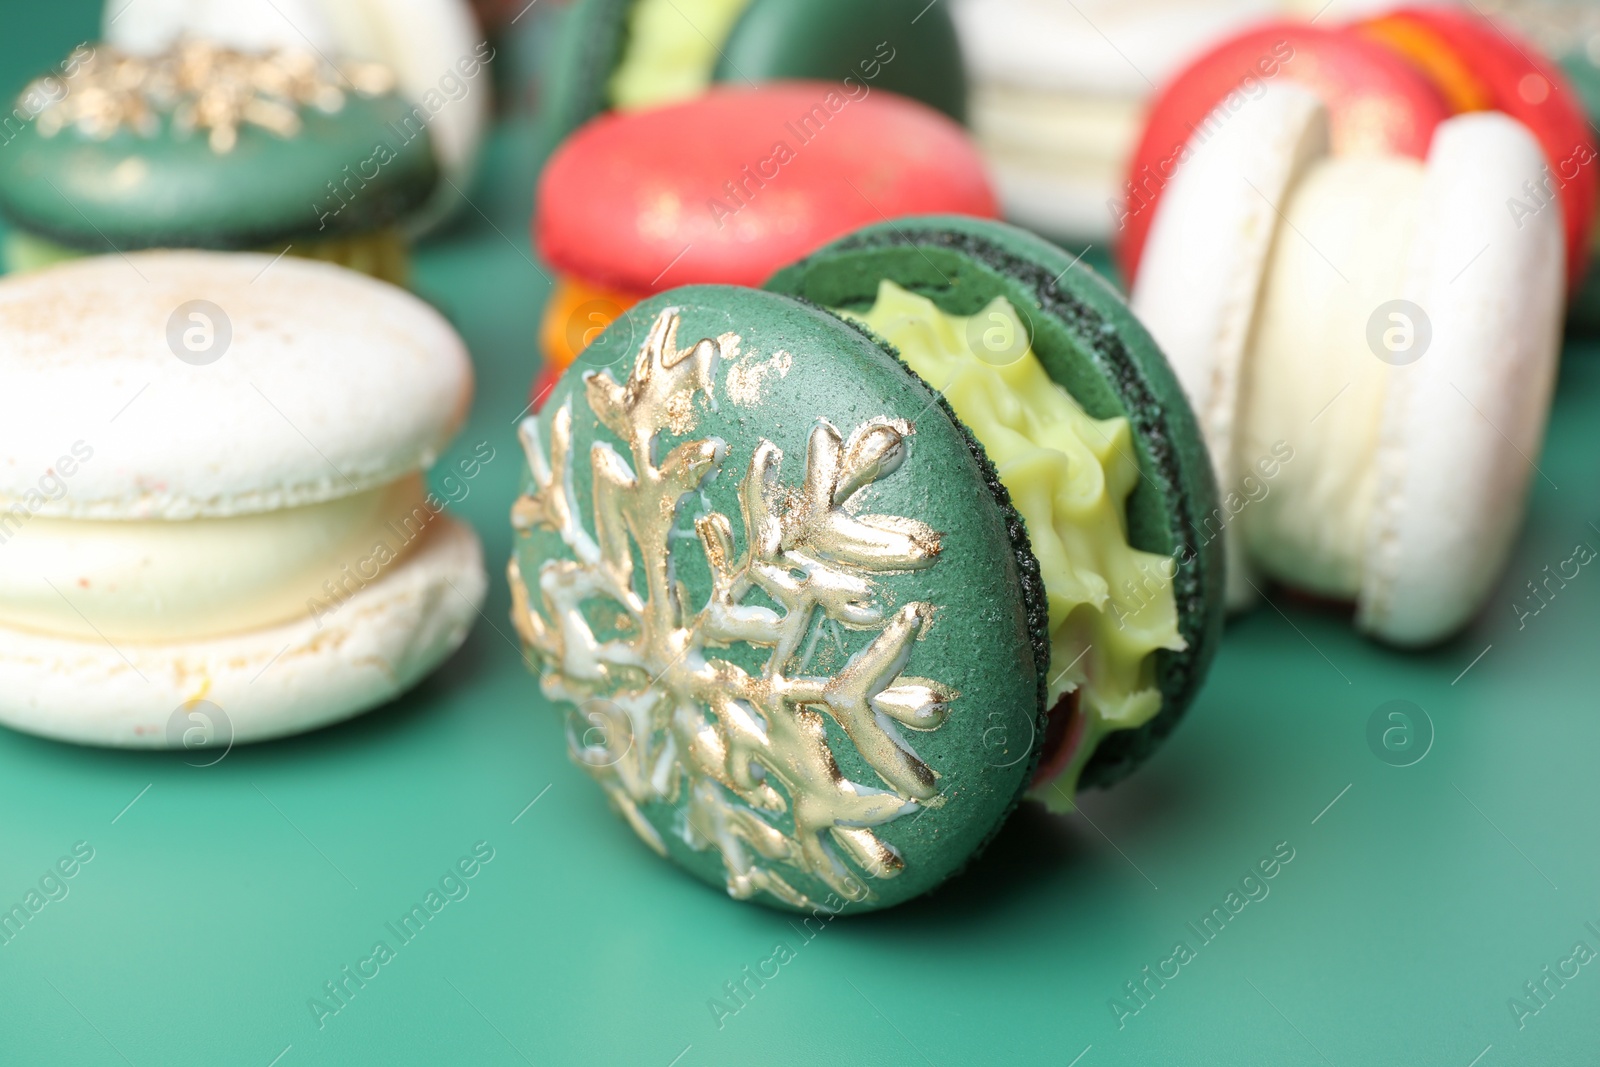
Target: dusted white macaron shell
[(332, 383), (421, 41), (269, 682), (1461, 425)]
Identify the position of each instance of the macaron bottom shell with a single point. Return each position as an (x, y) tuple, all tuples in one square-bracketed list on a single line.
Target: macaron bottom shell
[(375, 644)]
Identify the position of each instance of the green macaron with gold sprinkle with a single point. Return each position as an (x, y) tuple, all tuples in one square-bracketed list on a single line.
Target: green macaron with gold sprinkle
[(825, 578), (202, 146)]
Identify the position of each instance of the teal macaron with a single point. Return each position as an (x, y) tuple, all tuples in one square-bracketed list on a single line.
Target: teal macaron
[(800, 628), (631, 54), (204, 147)]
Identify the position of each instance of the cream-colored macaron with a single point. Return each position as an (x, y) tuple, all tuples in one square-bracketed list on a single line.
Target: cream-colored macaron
[(1059, 94), (435, 48), (211, 490), (1383, 323)]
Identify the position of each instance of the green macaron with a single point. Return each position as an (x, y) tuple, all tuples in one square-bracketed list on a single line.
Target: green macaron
[(203, 147), (799, 626), (629, 54), (1090, 344)]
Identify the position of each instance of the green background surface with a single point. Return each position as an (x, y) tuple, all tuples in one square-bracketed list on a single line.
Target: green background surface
[(220, 899)]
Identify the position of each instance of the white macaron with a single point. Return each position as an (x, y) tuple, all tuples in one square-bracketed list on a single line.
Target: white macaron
[(435, 48), (211, 490), (1383, 323), (1059, 92)]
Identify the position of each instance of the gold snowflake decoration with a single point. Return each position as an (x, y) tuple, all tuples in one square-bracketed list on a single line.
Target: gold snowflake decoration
[(742, 756), (202, 86)]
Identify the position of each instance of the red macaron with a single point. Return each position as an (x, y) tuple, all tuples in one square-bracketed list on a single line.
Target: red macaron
[(730, 186), (1377, 102), (1480, 65), (736, 183)]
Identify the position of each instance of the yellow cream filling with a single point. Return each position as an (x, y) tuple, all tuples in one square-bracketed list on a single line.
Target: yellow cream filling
[(1069, 475), (671, 51), (156, 581), (1314, 379), (380, 253)]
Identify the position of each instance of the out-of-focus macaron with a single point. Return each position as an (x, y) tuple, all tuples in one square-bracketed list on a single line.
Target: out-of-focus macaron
[(776, 171), (822, 594), (523, 36), (1483, 66), (632, 54), (204, 147), (211, 492), (1377, 104), (435, 49), (1466, 62), (1569, 32), (1370, 343), (1059, 94)]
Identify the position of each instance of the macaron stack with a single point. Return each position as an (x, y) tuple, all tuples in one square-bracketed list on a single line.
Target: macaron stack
[(825, 592), (211, 490), (623, 211)]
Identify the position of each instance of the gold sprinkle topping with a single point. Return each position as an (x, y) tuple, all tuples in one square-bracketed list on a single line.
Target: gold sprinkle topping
[(687, 743), (202, 86)]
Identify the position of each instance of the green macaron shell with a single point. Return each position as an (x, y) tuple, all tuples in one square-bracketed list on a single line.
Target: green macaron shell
[(772, 40), (984, 638), (903, 46), (1090, 343), (171, 189), (590, 42)]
